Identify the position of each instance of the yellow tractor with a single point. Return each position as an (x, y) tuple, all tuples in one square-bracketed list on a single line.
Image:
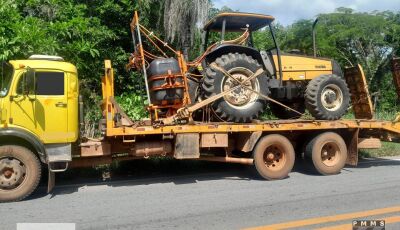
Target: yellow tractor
[(290, 83), (295, 80)]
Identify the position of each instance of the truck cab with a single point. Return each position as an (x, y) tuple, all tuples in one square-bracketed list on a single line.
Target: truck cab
[(38, 113)]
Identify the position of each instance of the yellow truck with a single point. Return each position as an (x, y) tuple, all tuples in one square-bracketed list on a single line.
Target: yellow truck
[(41, 116)]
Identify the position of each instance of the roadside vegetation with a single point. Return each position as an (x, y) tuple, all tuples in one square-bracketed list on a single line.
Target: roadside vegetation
[(87, 32), (388, 149)]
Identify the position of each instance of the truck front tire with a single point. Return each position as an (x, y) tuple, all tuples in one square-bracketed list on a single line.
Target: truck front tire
[(20, 173)]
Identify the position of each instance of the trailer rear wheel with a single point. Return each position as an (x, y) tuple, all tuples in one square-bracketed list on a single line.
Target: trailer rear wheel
[(20, 173), (328, 153), (274, 157)]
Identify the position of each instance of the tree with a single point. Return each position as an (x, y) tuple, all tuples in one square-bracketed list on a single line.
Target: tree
[(85, 32), (299, 37), (182, 18)]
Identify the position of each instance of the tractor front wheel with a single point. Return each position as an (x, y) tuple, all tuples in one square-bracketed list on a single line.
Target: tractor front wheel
[(327, 97)]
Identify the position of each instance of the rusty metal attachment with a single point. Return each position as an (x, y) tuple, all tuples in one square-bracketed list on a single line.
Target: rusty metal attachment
[(360, 97), (164, 84), (95, 148), (245, 161), (152, 148), (212, 140)]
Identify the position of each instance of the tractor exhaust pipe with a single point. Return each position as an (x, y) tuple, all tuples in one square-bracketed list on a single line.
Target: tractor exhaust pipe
[(313, 37)]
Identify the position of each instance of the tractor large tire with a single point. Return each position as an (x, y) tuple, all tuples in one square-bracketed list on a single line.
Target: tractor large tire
[(20, 173), (241, 105), (327, 97), (193, 88), (284, 113), (194, 92)]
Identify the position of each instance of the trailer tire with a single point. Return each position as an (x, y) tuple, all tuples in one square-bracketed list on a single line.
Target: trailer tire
[(327, 97), (240, 105), (274, 157), (327, 152), (20, 173)]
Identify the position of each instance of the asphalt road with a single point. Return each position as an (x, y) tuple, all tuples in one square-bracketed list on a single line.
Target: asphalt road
[(215, 196)]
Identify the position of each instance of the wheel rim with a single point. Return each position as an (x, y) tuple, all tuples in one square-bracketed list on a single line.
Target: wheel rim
[(240, 98), (274, 157), (332, 97), (12, 173), (330, 154)]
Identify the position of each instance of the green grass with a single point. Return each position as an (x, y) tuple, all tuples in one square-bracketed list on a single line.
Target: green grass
[(388, 149)]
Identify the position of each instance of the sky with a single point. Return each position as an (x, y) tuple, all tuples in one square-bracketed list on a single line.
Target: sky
[(288, 11)]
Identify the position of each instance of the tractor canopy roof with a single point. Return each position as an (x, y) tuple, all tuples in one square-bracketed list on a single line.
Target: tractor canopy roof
[(236, 21)]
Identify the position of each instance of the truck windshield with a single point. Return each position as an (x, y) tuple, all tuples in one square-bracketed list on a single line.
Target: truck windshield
[(7, 71)]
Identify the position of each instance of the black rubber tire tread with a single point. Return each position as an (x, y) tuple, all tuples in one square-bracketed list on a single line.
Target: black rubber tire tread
[(33, 173), (313, 153), (212, 82), (258, 156), (283, 113), (314, 104), (193, 87)]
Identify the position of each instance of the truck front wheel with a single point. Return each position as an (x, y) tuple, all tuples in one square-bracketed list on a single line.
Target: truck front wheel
[(274, 157), (20, 172)]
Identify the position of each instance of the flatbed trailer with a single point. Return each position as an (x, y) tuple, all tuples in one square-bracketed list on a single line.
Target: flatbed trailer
[(271, 146), (364, 134), (234, 142)]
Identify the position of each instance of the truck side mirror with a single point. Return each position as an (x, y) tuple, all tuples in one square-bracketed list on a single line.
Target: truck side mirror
[(29, 82)]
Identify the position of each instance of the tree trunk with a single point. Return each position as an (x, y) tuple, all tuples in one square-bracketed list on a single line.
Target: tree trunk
[(187, 42)]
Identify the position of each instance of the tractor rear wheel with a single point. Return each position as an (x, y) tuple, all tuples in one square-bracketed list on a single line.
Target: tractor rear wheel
[(327, 97), (193, 87), (241, 105)]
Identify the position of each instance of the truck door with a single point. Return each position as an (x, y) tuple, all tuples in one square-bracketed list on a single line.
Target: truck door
[(44, 111)]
